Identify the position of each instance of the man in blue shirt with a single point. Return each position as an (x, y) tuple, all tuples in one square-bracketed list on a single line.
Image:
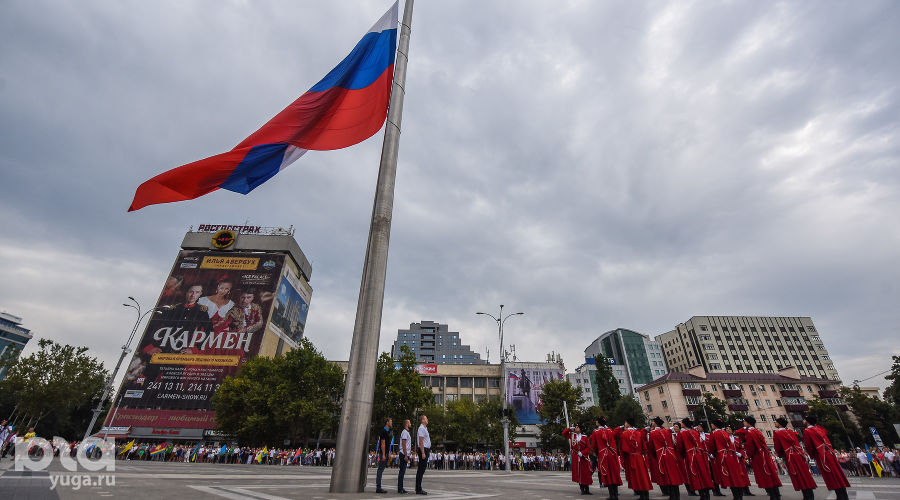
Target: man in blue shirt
[(382, 450)]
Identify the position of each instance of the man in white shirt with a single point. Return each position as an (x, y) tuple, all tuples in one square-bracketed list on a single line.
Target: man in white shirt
[(405, 453), (424, 447)]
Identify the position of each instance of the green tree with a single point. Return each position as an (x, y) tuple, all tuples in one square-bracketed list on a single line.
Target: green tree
[(293, 396), (710, 409), (627, 406), (842, 430), (608, 393), (871, 412), (53, 388), (892, 393), (553, 394), (399, 388), (490, 423), (462, 422)]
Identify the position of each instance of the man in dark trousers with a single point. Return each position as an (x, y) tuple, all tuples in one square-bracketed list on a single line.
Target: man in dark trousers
[(423, 439), (405, 454), (382, 451)]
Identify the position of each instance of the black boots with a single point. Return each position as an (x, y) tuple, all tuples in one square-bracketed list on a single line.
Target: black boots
[(691, 493), (716, 492), (808, 495), (644, 495), (775, 493), (704, 494), (840, 493), (737, 493), (613, 492), (747, 492), (585, 489)]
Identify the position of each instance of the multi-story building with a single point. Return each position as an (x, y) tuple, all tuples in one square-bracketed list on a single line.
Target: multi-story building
[(434, 343), (477, 382), (635, 360), (748, 344), (13, 337), (766, 396)]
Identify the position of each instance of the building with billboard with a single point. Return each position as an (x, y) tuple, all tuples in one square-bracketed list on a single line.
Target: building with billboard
[(234, 292), (433, 342), (748, 344), (13, 337), (477, 382)]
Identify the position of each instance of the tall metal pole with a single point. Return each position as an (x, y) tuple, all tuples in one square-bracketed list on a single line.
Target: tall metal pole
[(349, 472), (107, 389), (504, 380)]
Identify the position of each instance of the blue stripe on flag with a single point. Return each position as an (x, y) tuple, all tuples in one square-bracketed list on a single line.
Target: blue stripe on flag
[(261, 164)]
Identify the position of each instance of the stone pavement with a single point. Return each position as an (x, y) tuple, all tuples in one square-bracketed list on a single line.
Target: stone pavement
[(138, 480)]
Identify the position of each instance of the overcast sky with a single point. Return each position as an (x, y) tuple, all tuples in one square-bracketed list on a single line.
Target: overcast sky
[(593, 164)]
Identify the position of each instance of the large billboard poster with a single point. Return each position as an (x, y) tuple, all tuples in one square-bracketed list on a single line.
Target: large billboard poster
[(524, 383), (291, 308), (210, 319)]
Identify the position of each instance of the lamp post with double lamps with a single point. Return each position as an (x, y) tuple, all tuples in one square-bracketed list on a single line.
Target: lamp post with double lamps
[(500, 320), (107, 389)]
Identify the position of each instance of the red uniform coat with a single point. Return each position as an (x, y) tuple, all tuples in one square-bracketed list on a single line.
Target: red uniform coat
[(696, 459), (684, 474), (815, 440), (617, 437), (764, 469), (581, 465), (738, 440), (604, 445), (728, 469), (787, 446), (633, 447), (662, 448)]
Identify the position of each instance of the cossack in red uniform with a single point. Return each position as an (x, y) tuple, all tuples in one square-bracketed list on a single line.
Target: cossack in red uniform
[(633, 446), (609, 471), (727, 467), (581, 462), (815, 440), (787, 446), (696, 459), (661, 449), (764, 469)]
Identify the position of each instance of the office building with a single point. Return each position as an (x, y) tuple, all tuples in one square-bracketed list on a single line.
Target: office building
[(766, 396), (748, 344), (635, 360), (432, 342), (13, 337)]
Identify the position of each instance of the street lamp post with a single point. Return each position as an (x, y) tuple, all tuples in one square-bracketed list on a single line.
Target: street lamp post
[(107, 389), (500, 319)]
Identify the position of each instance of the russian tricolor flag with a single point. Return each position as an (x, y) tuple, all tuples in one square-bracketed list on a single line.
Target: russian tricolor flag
[(346, 107)]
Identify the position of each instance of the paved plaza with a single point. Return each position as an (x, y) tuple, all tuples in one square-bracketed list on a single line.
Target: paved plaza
[(135, 480)]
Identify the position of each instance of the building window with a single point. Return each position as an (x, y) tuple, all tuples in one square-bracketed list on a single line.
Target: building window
[(452, 381), (665, 404), (661, 389), (494, 383), (480, 382), (647, 395), (649, 408), (715, 366), (438, 399)]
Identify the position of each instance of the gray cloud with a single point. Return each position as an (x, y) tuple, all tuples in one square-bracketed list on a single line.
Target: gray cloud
[(594, 165)]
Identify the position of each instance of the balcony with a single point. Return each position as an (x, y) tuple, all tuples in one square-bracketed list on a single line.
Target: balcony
[(691, 392), (732, 393), (828, 394), (738, 407), (796, 408), (790, 393)]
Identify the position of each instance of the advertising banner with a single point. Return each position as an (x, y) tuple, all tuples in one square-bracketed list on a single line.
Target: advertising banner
[(210, 319), (524, 382), (291, 308)]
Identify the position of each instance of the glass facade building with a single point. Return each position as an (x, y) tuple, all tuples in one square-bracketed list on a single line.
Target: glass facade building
[(13, 336)]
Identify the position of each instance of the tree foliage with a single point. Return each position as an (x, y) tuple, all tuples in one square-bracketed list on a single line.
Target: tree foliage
[(627, 406), (892, 393), (553, 394), (466, 425), (399, 393), (292, 396), (842, 430), (608, 393), (53, 389), (872, 412)]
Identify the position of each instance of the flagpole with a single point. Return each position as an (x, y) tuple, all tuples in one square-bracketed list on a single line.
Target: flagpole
[(349, 472)]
